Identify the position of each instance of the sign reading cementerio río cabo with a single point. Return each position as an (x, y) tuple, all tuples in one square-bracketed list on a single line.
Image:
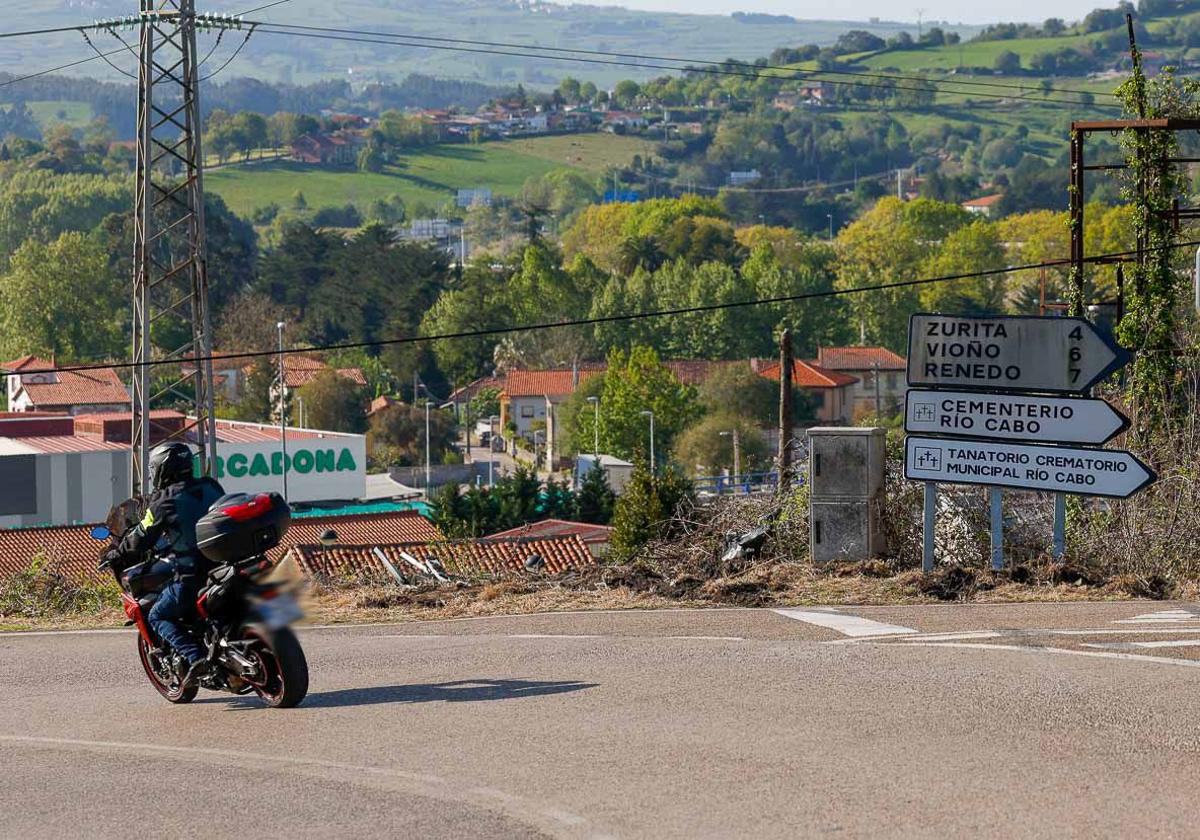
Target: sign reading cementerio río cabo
[(1012, 417), (1055, 355)]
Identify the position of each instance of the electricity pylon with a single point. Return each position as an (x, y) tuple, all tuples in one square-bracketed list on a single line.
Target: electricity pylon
[(170, 282)]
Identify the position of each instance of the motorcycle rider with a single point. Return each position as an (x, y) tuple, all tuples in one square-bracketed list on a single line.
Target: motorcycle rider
[(168, 528)]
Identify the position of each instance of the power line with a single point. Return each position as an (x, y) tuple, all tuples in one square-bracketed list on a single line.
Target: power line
[(929, 85), (51, 31), (96, 57), (582, 322), (689, 61), (60, 67)]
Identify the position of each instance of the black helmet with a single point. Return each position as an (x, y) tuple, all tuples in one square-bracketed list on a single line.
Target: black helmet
[(169, 463)]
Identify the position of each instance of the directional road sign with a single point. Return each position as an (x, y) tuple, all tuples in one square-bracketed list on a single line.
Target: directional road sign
[(1017, 353), (1012, 417), (1061, 469)]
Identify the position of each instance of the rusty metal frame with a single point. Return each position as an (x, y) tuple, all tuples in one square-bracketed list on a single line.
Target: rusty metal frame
[(1080, 129)]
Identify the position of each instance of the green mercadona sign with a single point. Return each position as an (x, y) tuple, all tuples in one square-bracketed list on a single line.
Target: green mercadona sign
[(300, 461)]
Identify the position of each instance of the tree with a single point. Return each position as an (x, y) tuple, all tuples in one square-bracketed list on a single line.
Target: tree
[(886, 244), (646, 508), (60, 300), (975, 247), (248, 323), (635, 382), (706, 447), (736, 390), (256, 404), (595, 498), (396, 435), (626, 92), (1007, 63), (334, 403)]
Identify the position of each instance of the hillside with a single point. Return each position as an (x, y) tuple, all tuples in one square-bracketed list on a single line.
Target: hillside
[(428, 178), (295, 59)]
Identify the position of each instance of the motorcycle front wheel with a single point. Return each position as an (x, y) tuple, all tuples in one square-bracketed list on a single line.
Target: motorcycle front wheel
[(171, 690), (281, 664)]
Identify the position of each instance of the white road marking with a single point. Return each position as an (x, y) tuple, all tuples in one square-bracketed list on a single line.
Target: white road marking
[(544, 814), (1170, 643), (1161, 617), (1132, 657), (848, 625)]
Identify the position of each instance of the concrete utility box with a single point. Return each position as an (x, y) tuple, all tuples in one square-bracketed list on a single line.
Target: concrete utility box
[(846, 462), (845, 529), (846, 492)]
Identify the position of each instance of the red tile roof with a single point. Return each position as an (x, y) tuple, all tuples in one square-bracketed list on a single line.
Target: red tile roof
[(483, 556), (557, 382), (90, 387), (74, 552), (34, 362), (983, 200), (805, 375), (70, 549), (859, 358), (360, 529), (470, 391), (592, 535)]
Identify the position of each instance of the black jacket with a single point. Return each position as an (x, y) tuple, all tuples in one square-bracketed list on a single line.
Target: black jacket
[(169, 526)]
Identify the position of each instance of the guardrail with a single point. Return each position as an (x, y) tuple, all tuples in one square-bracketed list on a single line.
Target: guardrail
[(746, 484)]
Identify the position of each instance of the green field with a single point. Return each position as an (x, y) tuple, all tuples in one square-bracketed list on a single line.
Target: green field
[(429, 177), (59, 111)]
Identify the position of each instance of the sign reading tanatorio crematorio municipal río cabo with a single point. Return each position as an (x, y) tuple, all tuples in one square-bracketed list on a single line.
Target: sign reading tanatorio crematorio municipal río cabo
[(1090, 472), (1049, 355)]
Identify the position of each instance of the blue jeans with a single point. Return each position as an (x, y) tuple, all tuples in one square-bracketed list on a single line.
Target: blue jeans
[(176, 603)]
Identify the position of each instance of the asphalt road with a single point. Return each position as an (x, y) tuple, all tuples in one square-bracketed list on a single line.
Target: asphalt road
[(994, 721)]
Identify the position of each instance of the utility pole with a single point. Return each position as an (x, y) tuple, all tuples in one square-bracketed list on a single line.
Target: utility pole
[(785, 410), (282, 408), (875, 377), (170, 279)]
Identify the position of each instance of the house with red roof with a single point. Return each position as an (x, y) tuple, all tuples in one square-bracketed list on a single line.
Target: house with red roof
[(983, 205), (831, 388), (36, 384), (880, 374)]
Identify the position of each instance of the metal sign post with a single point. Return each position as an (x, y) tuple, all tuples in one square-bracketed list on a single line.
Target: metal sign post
[(999, 402)]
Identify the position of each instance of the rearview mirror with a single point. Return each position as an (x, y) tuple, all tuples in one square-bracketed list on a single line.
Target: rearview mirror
[(100, 532)]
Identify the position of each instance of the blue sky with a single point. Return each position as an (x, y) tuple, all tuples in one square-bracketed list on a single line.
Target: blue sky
[(978, 11)]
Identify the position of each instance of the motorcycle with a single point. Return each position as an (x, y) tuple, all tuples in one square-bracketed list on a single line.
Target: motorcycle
[(244, 615)]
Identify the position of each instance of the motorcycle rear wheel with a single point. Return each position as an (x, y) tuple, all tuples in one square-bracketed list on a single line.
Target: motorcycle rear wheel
[(172, 692), (282, 661)]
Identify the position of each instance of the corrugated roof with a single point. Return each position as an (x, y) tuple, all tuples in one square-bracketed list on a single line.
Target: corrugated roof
[(859, 358), (805, 375), (483, 556)]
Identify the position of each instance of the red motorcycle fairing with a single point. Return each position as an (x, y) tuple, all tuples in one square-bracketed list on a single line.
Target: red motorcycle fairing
[(133, 611)]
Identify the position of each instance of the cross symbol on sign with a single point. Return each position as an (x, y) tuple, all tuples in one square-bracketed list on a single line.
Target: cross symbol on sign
[(928, 458), (924, 411)]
